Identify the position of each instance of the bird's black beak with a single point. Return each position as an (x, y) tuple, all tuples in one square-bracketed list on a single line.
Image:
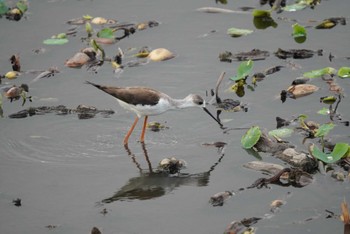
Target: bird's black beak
[(206, 110)]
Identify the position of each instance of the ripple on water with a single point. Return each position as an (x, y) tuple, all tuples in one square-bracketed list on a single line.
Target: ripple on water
[(64, 142)]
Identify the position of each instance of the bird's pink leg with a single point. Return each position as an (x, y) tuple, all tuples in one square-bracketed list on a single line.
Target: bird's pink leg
[(142, 138), (126, 138)]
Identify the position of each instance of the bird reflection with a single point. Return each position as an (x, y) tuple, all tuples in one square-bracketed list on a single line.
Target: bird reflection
[(153, 183)]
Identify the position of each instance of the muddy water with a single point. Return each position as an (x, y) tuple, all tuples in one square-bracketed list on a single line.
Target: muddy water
[(67, 171)]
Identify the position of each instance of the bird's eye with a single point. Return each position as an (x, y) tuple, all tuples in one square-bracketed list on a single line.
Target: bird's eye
[(200, 103)]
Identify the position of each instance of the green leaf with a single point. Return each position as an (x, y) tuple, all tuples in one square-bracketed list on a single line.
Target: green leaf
[(98, 47), (294, 7), (340, 150), (344, 72), (22, 6), (106, 33), (324, 129), (328, 100), (3, 7), (298, 30), (243, 70), (320, 72), (261, 13), (281, 132), (55, 41), (87, 17), (299, 33), (263, 22), (237, 32), (61, 36), (324, 111), (251, 137), (88, 28)]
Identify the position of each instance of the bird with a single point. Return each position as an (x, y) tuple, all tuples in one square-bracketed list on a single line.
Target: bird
[(145, 101)]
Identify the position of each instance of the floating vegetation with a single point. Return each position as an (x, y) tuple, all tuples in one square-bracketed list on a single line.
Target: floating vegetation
[(12, 75), (218, 10), (218, 199), (320, 72), (99, 34), (156, 126), (300, 5), (344, 72), (80, 58), (299, 33), (243, 70), (160, 54), (83, 111), (251, 137), (297, 53), (243, 226), (16, 65), (17, 202), (339, 151), (14, 13), (301, 90), (171, 165), (59, 39), (16, 92), (254, 54), (262, 19), (237, 32), (331, 23)]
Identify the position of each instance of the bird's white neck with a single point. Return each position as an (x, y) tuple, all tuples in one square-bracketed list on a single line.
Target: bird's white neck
[(183, 103)]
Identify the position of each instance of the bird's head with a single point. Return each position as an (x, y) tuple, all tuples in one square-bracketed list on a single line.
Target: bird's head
[(196, 100)]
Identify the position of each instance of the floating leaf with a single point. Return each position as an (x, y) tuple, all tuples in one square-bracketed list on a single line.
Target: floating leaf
[(61, 36), (261, 13), (106, 33), (324, 129), (320, 72), (299, 33), (294, 7), (302, 90), (251, 137), (344, 72), (22, 6), (237, 32), (222, 1), (263, 22), (323, 111), (328, 100), (87, 17), (326, 24), (3, 8), (243, 70), (302, 119), (339, 150), (55, 41), (58, 39), (88, 29), (298, 30), (281, 132)]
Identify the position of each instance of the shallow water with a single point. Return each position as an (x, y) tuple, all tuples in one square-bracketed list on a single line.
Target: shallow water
[(66, 170)]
